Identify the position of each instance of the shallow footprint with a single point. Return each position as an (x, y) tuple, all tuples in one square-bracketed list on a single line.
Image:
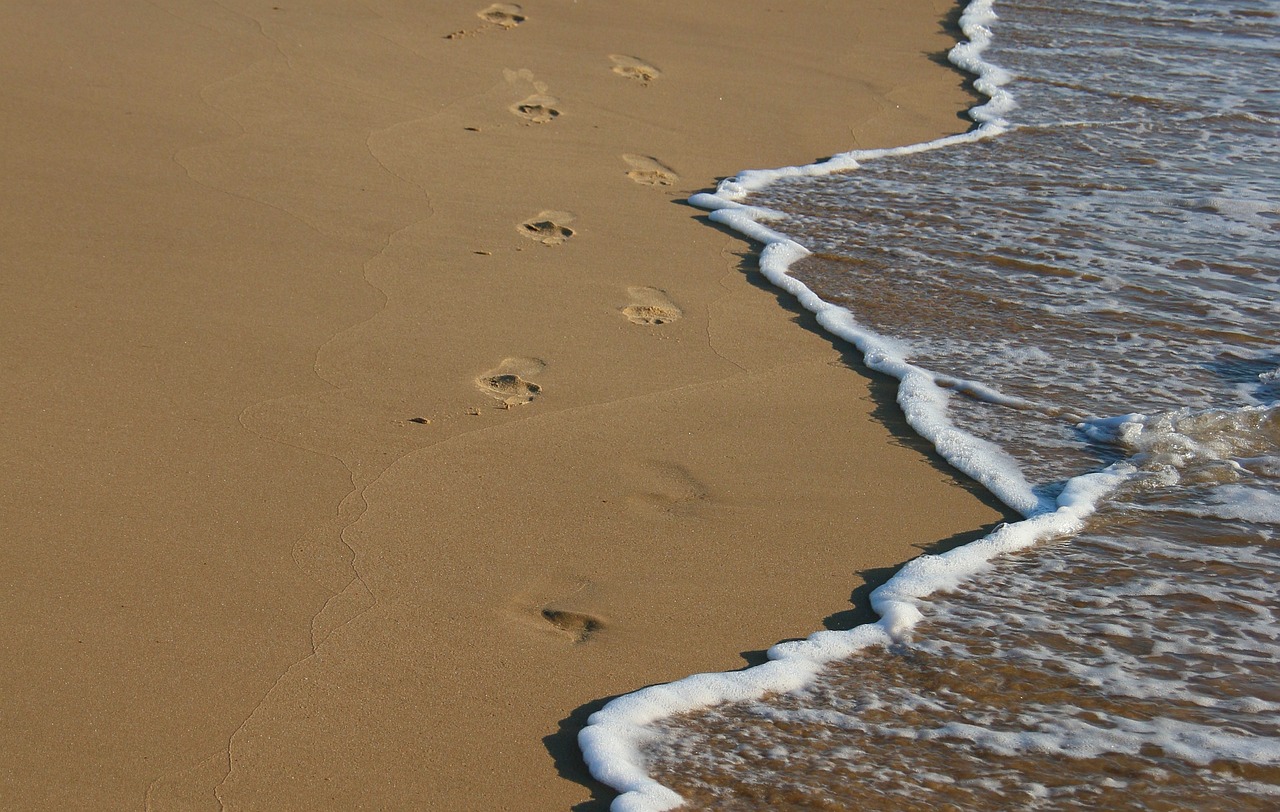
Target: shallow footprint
[(508, 381), (664, 489), (577, 625), (536, 109), (503, 15), (633, 68), (548, 227), (649, 171), (651, 306)]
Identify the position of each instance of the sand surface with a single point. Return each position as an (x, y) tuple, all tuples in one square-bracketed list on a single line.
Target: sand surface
[(374, 407)]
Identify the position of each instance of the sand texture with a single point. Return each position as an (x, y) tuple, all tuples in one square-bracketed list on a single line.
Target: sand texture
[(374, 406)]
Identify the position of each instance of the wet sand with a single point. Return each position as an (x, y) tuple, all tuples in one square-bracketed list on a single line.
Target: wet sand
[(374, 406)]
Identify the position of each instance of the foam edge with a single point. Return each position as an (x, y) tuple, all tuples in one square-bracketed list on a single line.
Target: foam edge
[(613, 739)]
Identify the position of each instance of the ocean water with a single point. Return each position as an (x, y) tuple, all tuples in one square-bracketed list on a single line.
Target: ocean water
[(1081, 301)]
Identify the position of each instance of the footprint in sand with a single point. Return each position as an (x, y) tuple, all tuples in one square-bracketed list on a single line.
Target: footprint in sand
[(548, 228), (649, 171), (555, 604), (664, 489), (503, 15), (578, 625), (651, 306), (509, 382), (537, 108), (633, 68)]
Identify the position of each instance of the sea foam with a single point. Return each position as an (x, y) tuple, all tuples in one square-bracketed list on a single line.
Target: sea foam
[(1198, 607), (612, 740)]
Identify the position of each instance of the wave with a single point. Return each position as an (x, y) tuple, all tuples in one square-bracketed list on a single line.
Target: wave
[(612, 740), (1198, 447)]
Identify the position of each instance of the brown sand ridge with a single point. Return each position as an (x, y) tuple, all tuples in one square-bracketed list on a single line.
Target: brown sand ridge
[(373, 406)]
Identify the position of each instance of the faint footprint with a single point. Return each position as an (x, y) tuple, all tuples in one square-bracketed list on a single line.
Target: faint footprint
[(557, 600), (548, 227), (651, 306), (577, 625), (503, 15), (537, 108), (508, 382), (634, 68), (664, 488), (649, 171)]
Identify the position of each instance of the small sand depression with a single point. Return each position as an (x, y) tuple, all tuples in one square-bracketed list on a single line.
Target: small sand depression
[(512, 388), (536, 109), (548, 228), (634, 68), (664, 489), (509, 381), (503, 15), (577, 625), (651, 306), (649, 171), (539, 106)]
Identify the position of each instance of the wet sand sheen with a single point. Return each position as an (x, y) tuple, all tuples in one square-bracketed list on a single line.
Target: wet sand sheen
[(375, 407)]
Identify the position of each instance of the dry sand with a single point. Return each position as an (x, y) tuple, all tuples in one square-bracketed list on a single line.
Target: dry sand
[(374, 406)]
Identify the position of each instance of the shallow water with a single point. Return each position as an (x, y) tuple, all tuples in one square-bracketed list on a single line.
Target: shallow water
[(1096, 286)]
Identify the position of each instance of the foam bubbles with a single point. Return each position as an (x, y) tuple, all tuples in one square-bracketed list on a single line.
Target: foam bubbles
[(1080, 314)]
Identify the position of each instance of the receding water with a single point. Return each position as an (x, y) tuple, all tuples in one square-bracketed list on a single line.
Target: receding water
[(1096, 288)]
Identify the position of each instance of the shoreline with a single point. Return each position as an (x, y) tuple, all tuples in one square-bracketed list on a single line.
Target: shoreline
[(498, 492)]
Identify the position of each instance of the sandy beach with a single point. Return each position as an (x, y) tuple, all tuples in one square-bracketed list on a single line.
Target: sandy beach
[(376, 407)]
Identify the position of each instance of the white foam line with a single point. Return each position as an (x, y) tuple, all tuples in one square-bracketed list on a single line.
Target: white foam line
[(989, 81), (922, 394), (614, 736), (613, 739)]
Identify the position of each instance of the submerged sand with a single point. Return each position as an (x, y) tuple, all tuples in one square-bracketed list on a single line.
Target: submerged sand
[(374, 407)]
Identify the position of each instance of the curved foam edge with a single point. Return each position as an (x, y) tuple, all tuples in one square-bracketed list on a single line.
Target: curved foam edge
[(989, 80), (614, 736)]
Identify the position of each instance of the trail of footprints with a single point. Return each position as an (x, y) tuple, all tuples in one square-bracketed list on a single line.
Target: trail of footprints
[(656, 490), (510, 383)]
